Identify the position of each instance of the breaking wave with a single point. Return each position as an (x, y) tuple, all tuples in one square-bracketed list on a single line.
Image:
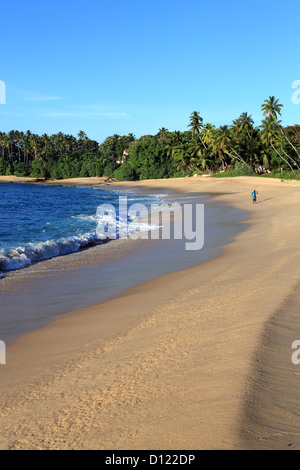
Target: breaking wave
[(41, 222), (23, 256)]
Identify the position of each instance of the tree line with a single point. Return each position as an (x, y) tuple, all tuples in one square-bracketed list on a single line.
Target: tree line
[(239, 148)]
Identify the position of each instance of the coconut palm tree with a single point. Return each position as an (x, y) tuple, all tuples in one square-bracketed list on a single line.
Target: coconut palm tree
[(163, 135), (131, 137), (7, 144), (173, 141), (270, 137), (244, 124), (27, 146), (245, 137), (272, 108), (45, 140), (81, 135), (195, 123), (181, 161), (2, 142), (223, 145), (206, 134), (195, 154), (34, 144)]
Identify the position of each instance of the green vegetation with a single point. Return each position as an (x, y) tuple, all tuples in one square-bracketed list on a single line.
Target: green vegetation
[(235, 150)]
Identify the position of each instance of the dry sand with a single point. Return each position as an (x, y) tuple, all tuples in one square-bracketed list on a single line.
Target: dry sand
[(199, 359)]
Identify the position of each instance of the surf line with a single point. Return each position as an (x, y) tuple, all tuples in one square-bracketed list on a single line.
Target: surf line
[(127, 222)]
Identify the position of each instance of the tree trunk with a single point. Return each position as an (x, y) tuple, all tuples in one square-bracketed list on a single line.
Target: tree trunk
[(286, 161), (286, 137), (238, 157)]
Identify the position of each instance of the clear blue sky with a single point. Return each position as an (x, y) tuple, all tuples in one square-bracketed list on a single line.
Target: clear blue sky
[(120, 66)]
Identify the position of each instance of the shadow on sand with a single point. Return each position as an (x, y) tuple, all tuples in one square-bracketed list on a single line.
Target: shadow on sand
[(260, 202)]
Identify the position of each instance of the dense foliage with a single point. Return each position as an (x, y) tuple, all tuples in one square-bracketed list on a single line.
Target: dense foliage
[(240, 148)]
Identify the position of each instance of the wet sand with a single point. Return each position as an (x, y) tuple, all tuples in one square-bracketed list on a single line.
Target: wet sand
[(183, 361), (34, 296)]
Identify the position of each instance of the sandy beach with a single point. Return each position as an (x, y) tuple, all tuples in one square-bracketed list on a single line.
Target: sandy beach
[(195, 359)]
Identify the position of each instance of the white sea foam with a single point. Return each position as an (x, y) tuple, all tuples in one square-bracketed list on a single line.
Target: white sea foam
[(23, 256), (67, 233)]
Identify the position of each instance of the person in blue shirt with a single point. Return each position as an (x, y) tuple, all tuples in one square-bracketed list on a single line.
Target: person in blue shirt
[(254, 193)]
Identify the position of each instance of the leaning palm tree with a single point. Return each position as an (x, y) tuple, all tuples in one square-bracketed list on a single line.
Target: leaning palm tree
[(271, 138), (195, 154), (244, 137), (272, 109), (218, 146), (180, 158), (173, 141), (222, 144)]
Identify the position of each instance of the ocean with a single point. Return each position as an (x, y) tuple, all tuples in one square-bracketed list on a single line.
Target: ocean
[(38, 222)]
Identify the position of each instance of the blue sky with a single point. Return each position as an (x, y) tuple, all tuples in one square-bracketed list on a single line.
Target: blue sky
[(123, 66)]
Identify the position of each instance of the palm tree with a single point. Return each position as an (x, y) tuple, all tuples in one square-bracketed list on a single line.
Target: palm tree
[(195, 123), (180, 158), (218, 145), (244, 124), (173, 141), (81, 135), (34, 144), (194, 154), (163, 131), (206, 133), (19, 143), (270, 137), (272, 108), (222, 144), (59, 141), (131, 137), (27, 146), (163, 135), (2, 142), (6, 143), (245, 137), (45, 140)]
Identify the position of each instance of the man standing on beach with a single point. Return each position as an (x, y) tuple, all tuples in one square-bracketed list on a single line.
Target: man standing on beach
[(254, 193)]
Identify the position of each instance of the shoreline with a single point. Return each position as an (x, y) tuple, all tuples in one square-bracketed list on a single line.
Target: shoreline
[(201, 328), (21, 289)]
